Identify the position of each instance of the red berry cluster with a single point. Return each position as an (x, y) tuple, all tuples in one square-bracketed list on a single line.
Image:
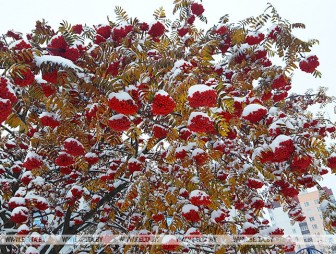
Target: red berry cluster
[(26, 177), (254, 39), (257, 203), (156, 30), (77, 29), (134, 165), (192, 214), (6, 91), (254, 183), (309, 64), (20, 214), (332, 162), (277, 232), (279, 82), (284, 151), (91, 111), (256, 116), (221, 175), (203, 99), (158, 217), (185, 134), (16, 202), (250, 231), (22, 45), (64, 160), (266, 156), (159, 131), (24, 77), (180, 153), (41, 204), (171, 245), (274, 32), (120, 33), (200, 123), (289, 248), (48, 89), (182, 31), (163, 104), (5, 109), (32, 161), (197, 9), (301, 163), (199, 198), (144, 26), (104, 31), (219, 215), (113, 68), (91, 158), (119, 123), (59, 47), (307, 181), (73, 147), (280, 96), (51, 77), (289, 191), (200, 157), (49, 120), (127, 107)]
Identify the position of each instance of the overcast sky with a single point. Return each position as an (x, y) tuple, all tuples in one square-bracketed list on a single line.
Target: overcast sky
[(318, 16)]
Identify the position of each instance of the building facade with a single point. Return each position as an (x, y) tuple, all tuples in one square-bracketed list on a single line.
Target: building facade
[(307, 231)]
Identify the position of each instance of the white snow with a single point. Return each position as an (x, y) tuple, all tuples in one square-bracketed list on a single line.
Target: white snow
[(18, 201), (161, 92), (325, 204), (39, 60), (196, 152), (40, 80), (198, 193), (23, 227), (194, 114), (20, 210), (191, 231), (216, 214), (133, 160), (198, 88), (252, 108), (279, 139), (38, 181), (248, 225), (48, 114), (31, 155), (167, 238), (68, 140), (182, 148), (117, 117), (189, 207), (91, 155), (120, 96), (22, 190), (32, 250)]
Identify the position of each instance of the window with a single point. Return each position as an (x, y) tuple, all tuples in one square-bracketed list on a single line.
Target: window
[(306, 203), (319, 209), (314, 226), (311, 218), (294, 230), (316, 201), (304, 228)]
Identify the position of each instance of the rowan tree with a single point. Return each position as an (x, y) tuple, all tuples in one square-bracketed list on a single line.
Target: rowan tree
[(117, 127)]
